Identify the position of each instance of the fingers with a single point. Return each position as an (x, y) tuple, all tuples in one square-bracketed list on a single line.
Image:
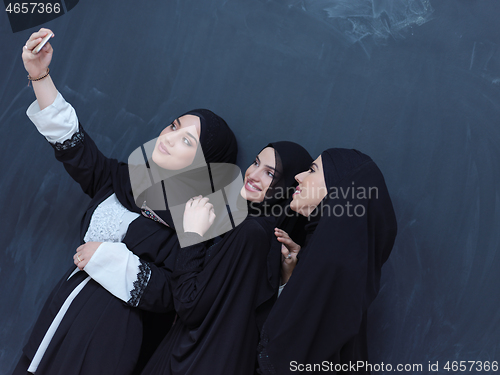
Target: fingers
[(79, 261), (199, 201), (280, 233), (211, 217), (36, 38), (289, 257), (284, 251), (43, 32)]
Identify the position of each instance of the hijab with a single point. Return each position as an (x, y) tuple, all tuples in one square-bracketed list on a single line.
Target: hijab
[(321, 313), (160, 189)]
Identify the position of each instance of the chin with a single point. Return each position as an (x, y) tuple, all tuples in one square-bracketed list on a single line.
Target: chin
[(294, 206), (157, 158)]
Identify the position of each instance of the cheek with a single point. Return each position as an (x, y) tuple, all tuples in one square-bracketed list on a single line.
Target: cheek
[(186, 156), (249, 170), (266, 183)]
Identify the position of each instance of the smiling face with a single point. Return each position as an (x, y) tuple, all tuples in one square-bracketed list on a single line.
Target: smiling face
[(176, 146), (311, 189), (259, 175)]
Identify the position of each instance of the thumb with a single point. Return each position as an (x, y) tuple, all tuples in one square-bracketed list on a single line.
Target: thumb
[(284, 250)]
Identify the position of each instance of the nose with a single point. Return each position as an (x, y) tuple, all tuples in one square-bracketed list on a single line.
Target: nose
[(170, 138), (254, 174), (299, 177)]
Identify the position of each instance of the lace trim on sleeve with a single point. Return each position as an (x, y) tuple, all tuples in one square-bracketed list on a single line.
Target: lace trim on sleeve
[(75, 140), (140, 284)]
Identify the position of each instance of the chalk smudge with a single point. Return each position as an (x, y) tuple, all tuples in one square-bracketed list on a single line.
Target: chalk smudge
[(359, 19)]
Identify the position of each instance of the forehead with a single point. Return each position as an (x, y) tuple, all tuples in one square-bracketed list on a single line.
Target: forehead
[(191, 122), (319, 162), (267, 156)]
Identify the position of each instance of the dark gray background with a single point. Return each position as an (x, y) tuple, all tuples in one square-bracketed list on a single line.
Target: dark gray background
[(412, 83)]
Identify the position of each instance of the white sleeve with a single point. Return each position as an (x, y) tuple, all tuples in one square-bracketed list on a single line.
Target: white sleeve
[(119, 271), (57, 122)]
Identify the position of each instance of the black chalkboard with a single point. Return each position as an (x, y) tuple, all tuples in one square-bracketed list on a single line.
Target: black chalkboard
[(415, 84)]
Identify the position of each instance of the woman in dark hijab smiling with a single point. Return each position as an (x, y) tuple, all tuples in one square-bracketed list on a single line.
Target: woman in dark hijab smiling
[(321, 314), (128, 252), (218, 289)]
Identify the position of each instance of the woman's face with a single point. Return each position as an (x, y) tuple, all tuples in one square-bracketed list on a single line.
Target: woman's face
[(176, 146), (311, 189), (259, 176)]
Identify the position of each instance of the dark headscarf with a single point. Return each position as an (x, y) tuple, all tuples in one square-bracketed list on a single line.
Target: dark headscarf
[(291, 159), (321, 313), (169, 188)]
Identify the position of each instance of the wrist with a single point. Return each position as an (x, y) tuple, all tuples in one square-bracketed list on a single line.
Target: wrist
[(38, 76)]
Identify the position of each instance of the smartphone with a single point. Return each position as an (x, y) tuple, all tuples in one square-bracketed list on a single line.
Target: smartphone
[(41, 44)]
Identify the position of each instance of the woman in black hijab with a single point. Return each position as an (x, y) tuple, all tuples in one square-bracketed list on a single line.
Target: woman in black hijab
[(218, 289), (84, 329), (318, 323)]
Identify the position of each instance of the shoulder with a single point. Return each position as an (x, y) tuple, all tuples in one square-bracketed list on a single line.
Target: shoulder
[(254, 229)]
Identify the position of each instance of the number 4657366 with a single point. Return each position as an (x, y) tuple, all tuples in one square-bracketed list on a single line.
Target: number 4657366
[(33, 8)]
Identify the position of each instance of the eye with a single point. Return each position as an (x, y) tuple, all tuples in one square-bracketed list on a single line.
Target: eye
[(256, 163), (174, 127), (311, 170), (270, 174), (186, 141)]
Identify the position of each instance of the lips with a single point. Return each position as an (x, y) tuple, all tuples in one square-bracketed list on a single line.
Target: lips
[(163, 149), (297, 191), (251, 187)]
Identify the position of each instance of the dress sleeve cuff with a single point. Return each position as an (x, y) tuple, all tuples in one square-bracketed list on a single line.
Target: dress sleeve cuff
[(119, 271), (57, 123)]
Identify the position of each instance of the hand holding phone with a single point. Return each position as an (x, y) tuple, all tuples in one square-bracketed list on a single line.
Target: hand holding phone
[(42, 43), (37, 53)]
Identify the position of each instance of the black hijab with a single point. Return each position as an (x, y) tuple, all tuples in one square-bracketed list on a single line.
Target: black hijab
[(217, 289), (159, 189), (321, 313)]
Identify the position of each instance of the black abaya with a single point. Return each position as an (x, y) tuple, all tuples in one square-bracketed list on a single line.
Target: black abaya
[(321, 313), (100, 334), (217, 290)]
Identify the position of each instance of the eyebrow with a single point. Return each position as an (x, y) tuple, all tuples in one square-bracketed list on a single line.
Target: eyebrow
[(258, 159), (188, 133), (314, 165)]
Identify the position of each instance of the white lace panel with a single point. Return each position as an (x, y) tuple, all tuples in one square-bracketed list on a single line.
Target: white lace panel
[(105, 222)]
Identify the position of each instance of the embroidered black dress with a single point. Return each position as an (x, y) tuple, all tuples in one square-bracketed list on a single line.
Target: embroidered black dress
[(99, 333)]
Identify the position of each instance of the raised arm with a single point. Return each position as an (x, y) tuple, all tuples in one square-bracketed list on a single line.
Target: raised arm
[(57, 121), (37, 66)]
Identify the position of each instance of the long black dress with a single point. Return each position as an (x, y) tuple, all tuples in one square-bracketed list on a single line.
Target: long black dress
[(217, 290), (99, 333), (321, 314)]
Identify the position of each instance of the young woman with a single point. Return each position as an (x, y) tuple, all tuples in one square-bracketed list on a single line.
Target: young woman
[(83, 328), (319, 321), (218, 290)]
